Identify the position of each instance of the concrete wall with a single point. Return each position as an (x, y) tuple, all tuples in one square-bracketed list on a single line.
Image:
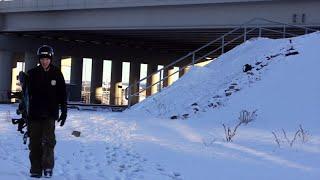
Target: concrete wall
[(164, 17)]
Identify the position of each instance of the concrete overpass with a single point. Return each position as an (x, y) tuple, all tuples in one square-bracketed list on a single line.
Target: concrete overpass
[(138, 31)]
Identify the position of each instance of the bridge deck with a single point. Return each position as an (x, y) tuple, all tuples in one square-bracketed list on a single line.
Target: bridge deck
[(44, 5)]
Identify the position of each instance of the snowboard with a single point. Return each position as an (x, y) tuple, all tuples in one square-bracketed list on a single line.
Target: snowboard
[(23, 108)]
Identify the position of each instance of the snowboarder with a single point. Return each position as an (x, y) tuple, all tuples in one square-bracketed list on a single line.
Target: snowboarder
[(47, 92)]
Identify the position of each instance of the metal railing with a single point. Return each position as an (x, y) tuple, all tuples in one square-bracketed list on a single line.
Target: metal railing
[(253, 28)]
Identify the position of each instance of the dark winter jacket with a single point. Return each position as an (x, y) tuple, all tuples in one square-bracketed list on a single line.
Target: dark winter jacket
[(47, 92)]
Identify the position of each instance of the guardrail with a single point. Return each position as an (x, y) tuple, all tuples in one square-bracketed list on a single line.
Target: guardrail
[(250, 29), (5, 99), (93, 107)]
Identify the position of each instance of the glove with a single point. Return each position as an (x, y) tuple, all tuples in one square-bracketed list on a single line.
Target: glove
[(62, 118)]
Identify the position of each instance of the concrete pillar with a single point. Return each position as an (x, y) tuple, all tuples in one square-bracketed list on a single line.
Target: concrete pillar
[(5, 74), (168, 80), (153, 79), (116, 83), (96, 81), (2, 21), (15, 58), (19, 56), (76, 79), (31, 60), (183, 71), (134, 77), (165, 79), (57, 60)]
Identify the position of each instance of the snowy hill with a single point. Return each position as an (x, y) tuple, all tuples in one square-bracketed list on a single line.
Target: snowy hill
[(182, 132), (279, 74), (282, 88)]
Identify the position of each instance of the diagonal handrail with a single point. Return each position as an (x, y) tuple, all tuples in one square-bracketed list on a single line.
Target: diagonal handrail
[(193, 52), (247, 27), (195, 61)]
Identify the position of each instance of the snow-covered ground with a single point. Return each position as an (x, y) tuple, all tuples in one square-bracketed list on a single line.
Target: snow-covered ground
[(179, 133)]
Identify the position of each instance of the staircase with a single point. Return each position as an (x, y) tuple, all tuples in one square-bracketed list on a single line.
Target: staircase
[(254, 28)]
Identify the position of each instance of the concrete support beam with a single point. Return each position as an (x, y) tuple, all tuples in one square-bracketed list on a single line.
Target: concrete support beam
[(183, 71), (2, 21), (96, 81), (31, 60), (209, 14), (134, 77), (15, 59), (153, 79), (167, 81), (116, 83), (57, 60), (19, 56), (76, 79), (5, 74)]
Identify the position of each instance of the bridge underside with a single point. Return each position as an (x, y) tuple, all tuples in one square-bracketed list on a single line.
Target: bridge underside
[(165, 43), (152, 47)]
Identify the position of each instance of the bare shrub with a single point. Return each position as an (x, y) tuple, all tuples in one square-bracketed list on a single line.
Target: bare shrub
[(8, 116), (285, 136), (244, 118), (276, 138), (230, 133), (303, 134), (299, 134)]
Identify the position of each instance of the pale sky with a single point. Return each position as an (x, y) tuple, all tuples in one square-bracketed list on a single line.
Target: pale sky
[(87, 66)]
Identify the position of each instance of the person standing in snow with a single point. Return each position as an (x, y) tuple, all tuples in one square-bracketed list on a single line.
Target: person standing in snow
[(47, 93)]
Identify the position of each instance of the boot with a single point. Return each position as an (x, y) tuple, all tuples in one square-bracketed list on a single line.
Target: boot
[(47, 173), (35, 175)]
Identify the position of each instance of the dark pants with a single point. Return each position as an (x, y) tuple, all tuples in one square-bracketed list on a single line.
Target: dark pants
[(41, 146)]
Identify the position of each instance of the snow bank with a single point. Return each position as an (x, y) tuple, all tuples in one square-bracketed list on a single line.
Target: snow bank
[(278, 66)]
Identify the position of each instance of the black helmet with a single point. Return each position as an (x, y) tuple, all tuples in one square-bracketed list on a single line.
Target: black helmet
[(45, 51)]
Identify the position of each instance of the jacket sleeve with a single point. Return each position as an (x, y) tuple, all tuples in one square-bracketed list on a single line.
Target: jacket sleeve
[(62, 94)]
